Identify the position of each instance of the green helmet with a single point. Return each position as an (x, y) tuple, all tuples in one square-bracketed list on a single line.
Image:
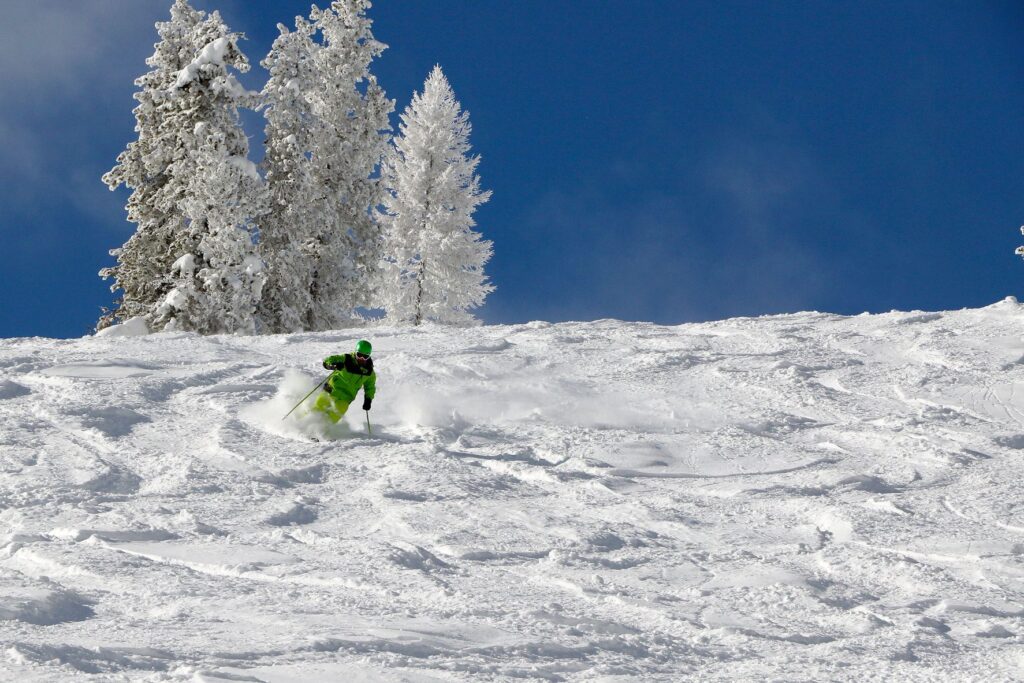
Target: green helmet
[(363, 347)]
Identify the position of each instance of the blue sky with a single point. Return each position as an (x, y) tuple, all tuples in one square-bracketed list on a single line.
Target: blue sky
[(658, 161)]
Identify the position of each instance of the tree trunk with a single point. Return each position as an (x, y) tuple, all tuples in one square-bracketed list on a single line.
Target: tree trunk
[(419, 294), (418, 318)]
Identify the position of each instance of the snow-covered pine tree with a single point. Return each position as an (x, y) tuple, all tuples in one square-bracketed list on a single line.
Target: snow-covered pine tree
[(327, 130), (290, 230), (351, 141), (191, 264), (434, 259)]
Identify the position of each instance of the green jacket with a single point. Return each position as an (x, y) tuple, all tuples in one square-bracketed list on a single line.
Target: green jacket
[(345, 383)]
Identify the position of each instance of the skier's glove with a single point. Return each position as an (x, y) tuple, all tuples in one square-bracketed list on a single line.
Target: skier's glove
[(330, 366), (366, 403)]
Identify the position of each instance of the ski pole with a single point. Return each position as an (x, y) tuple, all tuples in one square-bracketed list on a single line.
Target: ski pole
[(368, 430), (318, 385)]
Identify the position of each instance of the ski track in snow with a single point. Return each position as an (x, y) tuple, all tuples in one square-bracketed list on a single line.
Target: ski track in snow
[(805, 497)]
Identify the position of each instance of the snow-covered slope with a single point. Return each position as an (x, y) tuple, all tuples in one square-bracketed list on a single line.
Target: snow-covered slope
[(805, 497)]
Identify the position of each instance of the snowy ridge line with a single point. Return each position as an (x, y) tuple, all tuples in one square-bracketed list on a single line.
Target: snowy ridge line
[(801, 497)]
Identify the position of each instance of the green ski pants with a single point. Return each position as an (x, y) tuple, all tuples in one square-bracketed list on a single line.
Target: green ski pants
[(330, 406)]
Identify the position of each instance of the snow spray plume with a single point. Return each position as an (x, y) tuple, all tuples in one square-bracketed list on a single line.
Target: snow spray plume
[(302, 423), (318, 385)]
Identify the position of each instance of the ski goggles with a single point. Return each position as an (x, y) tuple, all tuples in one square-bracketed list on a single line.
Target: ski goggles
[(362, 356)]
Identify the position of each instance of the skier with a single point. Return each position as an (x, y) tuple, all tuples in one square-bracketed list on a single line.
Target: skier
[(351, 371)]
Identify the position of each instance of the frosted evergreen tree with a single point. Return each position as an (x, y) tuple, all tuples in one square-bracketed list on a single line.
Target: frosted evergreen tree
[(353, 110), (327, 130), (191, 264), (434, 259), (289, 231)]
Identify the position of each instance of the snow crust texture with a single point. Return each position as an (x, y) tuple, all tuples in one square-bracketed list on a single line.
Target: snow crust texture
[(806, 497)]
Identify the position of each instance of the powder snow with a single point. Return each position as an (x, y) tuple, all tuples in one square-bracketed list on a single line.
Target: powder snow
[(804, 497)]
